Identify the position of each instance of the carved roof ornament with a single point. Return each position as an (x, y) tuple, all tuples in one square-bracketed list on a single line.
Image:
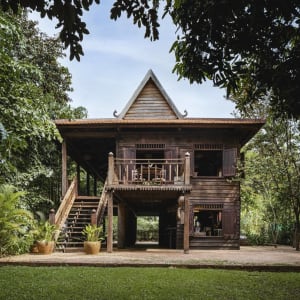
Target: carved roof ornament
[(115, 113), (185, 113)]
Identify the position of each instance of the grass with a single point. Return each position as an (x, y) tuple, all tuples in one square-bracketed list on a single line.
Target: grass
[(144, 283)]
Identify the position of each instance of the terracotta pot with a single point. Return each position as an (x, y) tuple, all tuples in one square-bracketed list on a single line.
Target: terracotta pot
[(92, 247), (45, 247), (34, 248)]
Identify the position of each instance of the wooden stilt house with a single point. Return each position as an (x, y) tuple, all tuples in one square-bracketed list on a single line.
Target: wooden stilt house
[(155, 161)]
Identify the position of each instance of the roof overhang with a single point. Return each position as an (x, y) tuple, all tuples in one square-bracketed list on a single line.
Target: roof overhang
[(85, 128)]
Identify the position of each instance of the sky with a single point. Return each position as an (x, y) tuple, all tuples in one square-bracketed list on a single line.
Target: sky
[(116, 59)]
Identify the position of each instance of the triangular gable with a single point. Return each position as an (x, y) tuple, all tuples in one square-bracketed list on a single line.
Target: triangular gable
[(150, 101)]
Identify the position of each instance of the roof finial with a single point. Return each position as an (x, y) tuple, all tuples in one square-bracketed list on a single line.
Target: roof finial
[(115, 113), (185, 113)]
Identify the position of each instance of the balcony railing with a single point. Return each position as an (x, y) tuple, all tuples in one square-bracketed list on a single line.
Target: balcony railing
[(149, 171)]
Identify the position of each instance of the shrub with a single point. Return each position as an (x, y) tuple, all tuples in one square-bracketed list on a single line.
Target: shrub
[(16, 235)]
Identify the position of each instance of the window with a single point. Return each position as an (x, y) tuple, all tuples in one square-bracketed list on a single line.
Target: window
[(207, 220), (213, 160), (150, 154), (208, 162)]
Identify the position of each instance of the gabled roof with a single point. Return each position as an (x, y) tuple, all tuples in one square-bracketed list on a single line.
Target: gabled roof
[(150, 101)]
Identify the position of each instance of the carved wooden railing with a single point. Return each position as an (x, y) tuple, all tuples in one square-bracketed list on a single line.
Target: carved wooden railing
[(150, 171), (66, 204), (101, 207)]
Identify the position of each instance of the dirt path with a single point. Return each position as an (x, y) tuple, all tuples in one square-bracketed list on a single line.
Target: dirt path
[(281, 257)]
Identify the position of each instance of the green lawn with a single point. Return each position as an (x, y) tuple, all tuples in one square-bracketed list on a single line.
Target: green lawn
[(144, 283)]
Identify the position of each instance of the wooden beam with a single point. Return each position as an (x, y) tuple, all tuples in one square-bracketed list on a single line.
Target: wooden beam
[(186, 230), (110, 213), (64, 175)]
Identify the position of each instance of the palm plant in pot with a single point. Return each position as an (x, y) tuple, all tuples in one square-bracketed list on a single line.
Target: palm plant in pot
[(46, 238), (93, 235)]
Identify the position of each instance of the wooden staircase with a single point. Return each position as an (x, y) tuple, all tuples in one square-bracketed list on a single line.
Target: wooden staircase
[(74, 214), (71, 238)]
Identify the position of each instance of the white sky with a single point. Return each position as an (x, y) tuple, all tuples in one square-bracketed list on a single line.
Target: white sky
[(117, 57)]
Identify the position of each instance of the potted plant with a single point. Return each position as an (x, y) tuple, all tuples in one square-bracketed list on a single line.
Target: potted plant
[(45, 239), (93, 235)]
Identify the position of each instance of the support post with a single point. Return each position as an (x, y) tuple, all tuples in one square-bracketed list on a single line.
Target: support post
[(94, 217), (187, 168), (110, 213), (186, 230), (121, 225), (64, 182), (111, 167), (52, 217)]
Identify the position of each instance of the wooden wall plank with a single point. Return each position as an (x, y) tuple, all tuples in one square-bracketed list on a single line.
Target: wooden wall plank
[(150, 104)]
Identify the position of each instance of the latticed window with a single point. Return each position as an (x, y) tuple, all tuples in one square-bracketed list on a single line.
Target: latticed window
[(208, 146), (150, 146)]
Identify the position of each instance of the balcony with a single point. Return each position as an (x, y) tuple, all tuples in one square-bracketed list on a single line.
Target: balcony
[(149, 174)]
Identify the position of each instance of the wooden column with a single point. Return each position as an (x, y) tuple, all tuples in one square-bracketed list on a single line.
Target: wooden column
[(52, 217), (131, 227), (121, 225), (110, 174), (187, 168), (94, 217), (186, 230), (110, 213), (64, 175)]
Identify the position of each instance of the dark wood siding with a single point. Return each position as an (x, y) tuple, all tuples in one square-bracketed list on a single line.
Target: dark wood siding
[(150, 104), (219, 190), (226, 194)]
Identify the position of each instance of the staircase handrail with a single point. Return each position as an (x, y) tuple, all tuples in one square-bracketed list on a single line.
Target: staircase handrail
[(101, 204), (66, 204)]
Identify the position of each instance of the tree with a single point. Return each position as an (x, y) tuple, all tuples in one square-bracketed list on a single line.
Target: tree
[(227, 41), (238, 42), (33, 91), (272, 168)]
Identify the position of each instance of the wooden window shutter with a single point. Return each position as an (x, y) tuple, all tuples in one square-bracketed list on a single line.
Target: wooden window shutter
[(229, 223), (229, 162), (129, 153)]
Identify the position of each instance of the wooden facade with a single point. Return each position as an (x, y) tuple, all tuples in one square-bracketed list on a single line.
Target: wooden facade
[(157, 162)]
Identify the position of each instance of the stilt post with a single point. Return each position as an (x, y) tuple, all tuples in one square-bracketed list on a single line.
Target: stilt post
[(110, 223), (186, 230)]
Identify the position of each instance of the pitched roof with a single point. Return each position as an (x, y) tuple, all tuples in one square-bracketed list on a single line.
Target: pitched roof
[(150, 101)]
